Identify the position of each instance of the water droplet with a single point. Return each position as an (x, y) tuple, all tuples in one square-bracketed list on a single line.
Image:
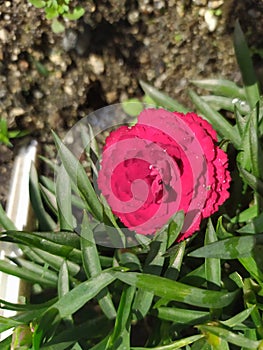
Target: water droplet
[(150, 166), (235, 100)]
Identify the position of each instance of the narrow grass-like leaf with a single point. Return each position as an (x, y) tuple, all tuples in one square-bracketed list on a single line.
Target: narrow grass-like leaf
[(91, 328), (162, 99), (56, 261), (221, 125), (120, 338), (253, 267), (5, 222), (241, 121), (44, 244), (255, 183), (175, 227), (38, 269), (80, 178), (231, 337), (221, 87), (246, 66), (230, 248), (153, 265), (225, 103), (44, 219), (25, 308), (25, 274), (7, 323), (63, 280), (175, 261), (81, 294), (246, 215), (182, 316), (166, 288), (178, 344), (254, 226), (238, 319), (91, 263), (46, 322), (212, 265), (63, 196), (49, 200)]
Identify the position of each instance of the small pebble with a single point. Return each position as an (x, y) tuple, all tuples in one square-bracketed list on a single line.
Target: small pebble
[(211, 20), (96, 63)]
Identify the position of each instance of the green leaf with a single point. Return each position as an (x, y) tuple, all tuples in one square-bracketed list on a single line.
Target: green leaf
[(120, 338), (221, 87), (226, 103), (76, 14), (178, 344), (45, 221), (212, 265), (221, 125), (153, 265), (166, 288), (182, 316), (81, 294), (63, 196), (239, 318), (255, 183), (7, 323), (5, 222), (42, 243), (229, 336), (56, 261), (162, 99), (38, 3), (80, 178), (46, 322), (57, 27), (26, 274), (230, 248), (175, 261), (254, 226), (132, 107), (65, 338), (92, 267), (63, 280), (246, 66), (175, 227)]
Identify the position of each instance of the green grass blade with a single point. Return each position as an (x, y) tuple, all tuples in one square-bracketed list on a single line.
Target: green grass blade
[(212, 265), (182, 316), (44, 244), (80, 178), (120, 338), (238, 319), (63, 196), (231, 337), (153, 265), (255, 183), (56, 261), (175, 261), (92, 267), (178, 344), (221, 87), (162, 99), (84, 292), (5, 222), (226, 103), (230, 248), (7, 323), (93, 328), (26, 274), (221, 125), (46, 223), (246, 66), (166, 288)]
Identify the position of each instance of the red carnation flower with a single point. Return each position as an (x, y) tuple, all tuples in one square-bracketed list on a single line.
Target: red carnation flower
[(167, 162)]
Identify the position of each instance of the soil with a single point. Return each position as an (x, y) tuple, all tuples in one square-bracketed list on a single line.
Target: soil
[(50, 81)]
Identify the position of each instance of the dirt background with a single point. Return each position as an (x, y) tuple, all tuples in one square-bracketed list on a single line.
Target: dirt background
[(50, 81)]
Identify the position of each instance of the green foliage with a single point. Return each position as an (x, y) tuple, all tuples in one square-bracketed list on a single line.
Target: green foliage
[(6, 135), (201, 294), (55, 9)]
